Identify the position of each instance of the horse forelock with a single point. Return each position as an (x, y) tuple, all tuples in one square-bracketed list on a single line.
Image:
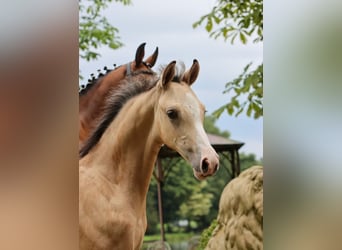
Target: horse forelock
[(129, 87), (180, 70)]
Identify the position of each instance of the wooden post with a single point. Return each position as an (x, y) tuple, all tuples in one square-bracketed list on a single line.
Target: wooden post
[(238, 163), (160, 179), (233, 164)]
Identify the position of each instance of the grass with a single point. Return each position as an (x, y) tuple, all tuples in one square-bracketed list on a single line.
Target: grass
[(175, 240), (170, 237)]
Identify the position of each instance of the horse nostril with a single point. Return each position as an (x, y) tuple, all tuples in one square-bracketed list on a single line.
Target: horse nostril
[(216, 167), (205, 166)]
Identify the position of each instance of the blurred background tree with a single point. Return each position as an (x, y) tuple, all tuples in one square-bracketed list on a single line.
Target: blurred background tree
[(94, 28), (231, 19), (197, 206)]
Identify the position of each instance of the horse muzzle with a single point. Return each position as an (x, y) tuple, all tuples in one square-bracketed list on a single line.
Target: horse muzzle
[(209, 164)]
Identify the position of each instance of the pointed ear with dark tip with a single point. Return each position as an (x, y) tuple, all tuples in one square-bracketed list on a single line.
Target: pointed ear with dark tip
[(191, 75), (168, 74), (139, 55), (151, 60)]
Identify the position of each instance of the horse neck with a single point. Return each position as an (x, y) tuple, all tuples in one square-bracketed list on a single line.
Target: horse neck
[(128, 149), (91, 103)]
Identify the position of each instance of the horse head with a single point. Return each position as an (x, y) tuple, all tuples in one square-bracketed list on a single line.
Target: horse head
[(180, 117)]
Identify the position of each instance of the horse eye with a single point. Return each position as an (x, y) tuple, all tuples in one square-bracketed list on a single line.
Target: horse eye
[(172, 114)]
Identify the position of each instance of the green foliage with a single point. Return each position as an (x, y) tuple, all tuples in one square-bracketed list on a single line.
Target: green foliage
[(243, 19), (178, 187), (206, 235), (248, 160), (152, 208), (235, 18), (198, 203), (209, 126), (215, 186), (94, 29), (249, 86)]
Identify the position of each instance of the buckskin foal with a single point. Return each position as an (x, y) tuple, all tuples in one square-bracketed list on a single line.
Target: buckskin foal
[(117, 161)]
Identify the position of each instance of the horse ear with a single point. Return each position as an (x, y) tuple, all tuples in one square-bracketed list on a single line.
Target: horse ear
[(168, 74), (151, 60), (191, 75), (139, 55)]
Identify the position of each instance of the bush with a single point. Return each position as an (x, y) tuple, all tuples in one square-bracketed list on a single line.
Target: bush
[(206, 235)]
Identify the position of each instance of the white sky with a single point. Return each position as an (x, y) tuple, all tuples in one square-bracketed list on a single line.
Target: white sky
[(168, 25)]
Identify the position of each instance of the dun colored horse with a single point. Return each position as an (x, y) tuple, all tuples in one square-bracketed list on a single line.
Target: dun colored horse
[(117, 161), (92, 96)]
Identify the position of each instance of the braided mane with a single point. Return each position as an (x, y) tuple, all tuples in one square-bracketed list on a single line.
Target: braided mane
[(84, 88)]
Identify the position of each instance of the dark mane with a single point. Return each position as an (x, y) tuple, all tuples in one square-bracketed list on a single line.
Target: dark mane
[(92, 81), (132, 86)]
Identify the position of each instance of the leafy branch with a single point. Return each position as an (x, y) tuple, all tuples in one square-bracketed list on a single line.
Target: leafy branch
[(235, 18), (248, 85), (231, 19), (94, 29)]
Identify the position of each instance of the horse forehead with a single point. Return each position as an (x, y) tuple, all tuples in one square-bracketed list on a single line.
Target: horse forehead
[(182, 89), (184, 95), (191, 100)]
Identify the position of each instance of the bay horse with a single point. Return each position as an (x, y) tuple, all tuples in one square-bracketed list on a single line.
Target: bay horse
[(92, 96), (117, 161)]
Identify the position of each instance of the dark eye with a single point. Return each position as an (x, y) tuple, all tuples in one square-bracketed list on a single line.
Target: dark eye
[(172, 114)]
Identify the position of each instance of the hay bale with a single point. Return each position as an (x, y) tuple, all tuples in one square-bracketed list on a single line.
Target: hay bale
[(240, 218)]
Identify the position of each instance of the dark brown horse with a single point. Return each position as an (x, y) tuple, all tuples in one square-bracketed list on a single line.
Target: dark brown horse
[(92, 96)]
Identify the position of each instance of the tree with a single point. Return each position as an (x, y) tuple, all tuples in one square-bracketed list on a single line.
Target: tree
[(177, 188), (243, 19), (94, 29), (248, 160), (197, 205), (152, 208), (210, 127)]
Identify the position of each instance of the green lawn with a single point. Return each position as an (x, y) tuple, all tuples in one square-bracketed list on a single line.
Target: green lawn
[(178, 241), (172, 237)]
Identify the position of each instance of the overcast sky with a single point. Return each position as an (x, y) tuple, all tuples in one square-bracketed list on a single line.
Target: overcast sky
[(168, 25)]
